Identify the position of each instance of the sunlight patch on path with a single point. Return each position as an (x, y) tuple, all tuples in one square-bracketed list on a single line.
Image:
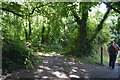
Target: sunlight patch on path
[(44, 67), (36, 76), (83, 70), (59, 74), (51, 54), (39, 71), (74, 76), (71, 63), (45, 77), (73, 70)]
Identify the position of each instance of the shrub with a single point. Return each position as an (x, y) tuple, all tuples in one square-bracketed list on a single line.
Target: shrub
[(16, 55)]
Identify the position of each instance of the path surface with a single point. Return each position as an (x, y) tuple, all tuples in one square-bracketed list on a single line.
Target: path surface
[(55, 67)]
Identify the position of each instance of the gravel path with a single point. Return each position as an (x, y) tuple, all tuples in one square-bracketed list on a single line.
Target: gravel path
[(55, 67)]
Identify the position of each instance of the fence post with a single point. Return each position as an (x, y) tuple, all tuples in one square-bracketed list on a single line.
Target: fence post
[(101, 55)]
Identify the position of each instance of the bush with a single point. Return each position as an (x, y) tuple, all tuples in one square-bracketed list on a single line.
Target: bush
[(51, 47), (16, 55)]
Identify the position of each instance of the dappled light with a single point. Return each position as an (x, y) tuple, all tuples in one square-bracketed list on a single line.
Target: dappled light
[(39, 71), (46, 54), (58, 67), (43, 67), (83, 70), (59, 74), (74, 76), (73, 70), (45, 62), (36, 76), (61, 40), (71, 63), (75, 67), (45, 77)]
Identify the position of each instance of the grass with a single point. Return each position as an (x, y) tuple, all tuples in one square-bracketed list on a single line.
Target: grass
[(95, 60), (118, 58)]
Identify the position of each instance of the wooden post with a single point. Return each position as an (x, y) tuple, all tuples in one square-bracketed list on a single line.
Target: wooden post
[(101, 55)]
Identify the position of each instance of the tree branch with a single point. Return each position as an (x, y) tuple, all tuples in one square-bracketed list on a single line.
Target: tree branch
[(100, 26), (111, 7), (5, 9), (37, 7), (77, 18)]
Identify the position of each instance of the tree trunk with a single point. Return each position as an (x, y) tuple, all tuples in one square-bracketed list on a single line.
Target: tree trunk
[(83, 28), (30, 29), (26, 34), (81, 44), (82, 37), (43, 30)]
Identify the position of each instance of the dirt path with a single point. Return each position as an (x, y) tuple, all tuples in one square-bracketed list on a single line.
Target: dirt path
[(55, 67)]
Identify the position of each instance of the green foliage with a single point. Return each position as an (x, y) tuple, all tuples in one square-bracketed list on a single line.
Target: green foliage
[(28, 28), (15, 50), (118, 59), (16, 55), (94, 59), (51, 47)]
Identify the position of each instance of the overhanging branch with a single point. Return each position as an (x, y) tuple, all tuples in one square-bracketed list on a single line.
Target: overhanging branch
[(77, 18), (111, 7), (5, 9), (37, 7), (100, 26), (21, 15)]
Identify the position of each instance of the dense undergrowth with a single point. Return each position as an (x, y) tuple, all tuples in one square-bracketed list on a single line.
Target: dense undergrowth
[(16, 55)]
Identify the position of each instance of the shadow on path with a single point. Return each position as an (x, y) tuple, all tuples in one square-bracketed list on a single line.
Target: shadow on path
[(56, 67)]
